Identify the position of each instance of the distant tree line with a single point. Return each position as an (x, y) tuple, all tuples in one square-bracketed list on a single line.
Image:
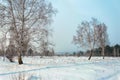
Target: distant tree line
[(67, 54), (110, 51), (113, 51)]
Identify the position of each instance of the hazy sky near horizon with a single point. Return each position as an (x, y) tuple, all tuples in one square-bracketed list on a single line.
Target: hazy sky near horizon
[(73, 12)]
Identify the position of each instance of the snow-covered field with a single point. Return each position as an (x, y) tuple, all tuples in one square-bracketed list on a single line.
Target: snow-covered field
[(61, 68)]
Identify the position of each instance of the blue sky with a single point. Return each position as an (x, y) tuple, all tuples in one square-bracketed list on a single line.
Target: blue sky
[(72, 12)]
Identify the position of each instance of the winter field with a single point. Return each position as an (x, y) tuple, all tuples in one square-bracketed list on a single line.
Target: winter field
[(61, 68)]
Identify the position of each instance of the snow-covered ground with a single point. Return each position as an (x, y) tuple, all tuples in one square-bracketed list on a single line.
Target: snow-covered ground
[(61, 68)]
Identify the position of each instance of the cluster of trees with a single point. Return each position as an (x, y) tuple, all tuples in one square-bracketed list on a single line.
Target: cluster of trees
[(109, 51), (90, 35), (26, 22)]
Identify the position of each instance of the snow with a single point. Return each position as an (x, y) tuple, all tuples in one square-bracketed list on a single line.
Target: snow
[(61, 68)]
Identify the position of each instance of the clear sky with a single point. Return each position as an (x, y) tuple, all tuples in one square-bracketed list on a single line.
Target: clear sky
[(72, 12)]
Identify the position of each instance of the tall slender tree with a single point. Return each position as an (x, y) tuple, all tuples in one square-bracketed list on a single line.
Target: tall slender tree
[(102, 37)]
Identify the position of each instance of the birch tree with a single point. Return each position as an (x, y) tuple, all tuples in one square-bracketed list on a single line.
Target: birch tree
[(91, 35), (25, 17), (102, 37), (85, 37)]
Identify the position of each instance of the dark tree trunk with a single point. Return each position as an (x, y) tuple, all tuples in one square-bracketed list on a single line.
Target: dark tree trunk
[(20, 59), (11, 60), (90, 55)]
